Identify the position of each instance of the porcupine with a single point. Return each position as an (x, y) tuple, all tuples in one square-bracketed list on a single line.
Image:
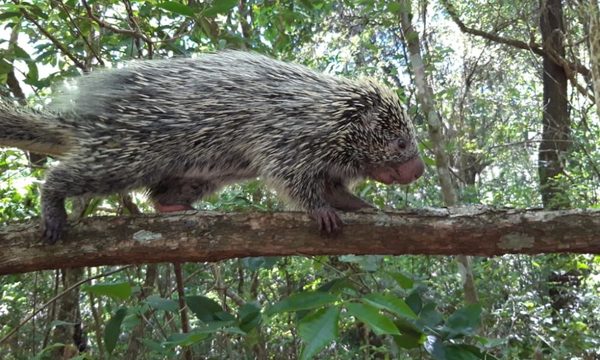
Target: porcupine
[(184, 127)]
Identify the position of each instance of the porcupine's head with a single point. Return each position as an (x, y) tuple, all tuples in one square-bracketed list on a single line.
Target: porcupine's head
[(382, 136)]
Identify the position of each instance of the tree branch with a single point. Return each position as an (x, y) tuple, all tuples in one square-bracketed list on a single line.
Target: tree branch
[(211, 236), (533, 47)]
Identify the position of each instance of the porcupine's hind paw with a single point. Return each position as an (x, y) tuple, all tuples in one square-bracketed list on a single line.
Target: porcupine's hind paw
[(54, 226)]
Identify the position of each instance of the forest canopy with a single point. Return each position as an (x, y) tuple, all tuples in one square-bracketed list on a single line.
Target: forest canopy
[(505, 100)]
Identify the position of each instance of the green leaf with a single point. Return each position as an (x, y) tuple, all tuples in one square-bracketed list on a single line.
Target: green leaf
[(464, 321), (249, 316), (415, 302), (336, 286), (205, 309), (220, 7), (186, 339), (465, 352), (317, 330), (390, 303), (429, 316), (32, 75), (9, 14), (302, 301), (158, 303), (408, 340), (203, 332), (121, 291), (113, 329), (404, 281), (20, 53), (370, 315), (177, 8), (5, 66)]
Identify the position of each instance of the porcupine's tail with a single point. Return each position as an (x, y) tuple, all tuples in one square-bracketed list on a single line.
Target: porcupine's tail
[(31, 130)]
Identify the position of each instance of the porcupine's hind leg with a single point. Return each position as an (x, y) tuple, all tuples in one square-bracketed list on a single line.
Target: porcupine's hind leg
[(74, 178), (179, 193)]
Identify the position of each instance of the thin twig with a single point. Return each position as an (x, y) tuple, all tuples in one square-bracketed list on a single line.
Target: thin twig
[(136, 33), (53, 39), (80, 33)]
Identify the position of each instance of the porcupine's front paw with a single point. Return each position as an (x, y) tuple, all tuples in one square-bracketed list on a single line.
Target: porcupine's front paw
[(328, 220), (54, 224)]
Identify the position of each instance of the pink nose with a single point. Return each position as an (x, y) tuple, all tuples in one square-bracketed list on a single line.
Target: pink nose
[(404, 173), (419, 168)]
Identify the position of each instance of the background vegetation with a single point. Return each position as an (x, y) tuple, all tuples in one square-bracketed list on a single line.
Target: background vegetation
[(491, 139)]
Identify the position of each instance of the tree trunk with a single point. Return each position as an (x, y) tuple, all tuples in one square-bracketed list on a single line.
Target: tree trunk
[(70, 334), (435, 128), (594, 44), (555, 119)]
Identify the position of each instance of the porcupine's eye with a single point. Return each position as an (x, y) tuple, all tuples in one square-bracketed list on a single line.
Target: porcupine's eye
[(401, 144)]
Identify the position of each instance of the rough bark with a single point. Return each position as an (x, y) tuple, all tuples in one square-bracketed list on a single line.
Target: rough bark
[(211, 236), (556, 122)]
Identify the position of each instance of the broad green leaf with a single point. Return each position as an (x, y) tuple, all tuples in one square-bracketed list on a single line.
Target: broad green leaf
[(5, 66), (20, 53), (408, 340), (317, 330), (302, 301), (32, 75), (121, 291), (370, 315), (390, 303), (158, 303), (46, 352), (415, 302), (429, 316), (464, 321), (186, 339), (113, 329), (465, 352), (249, 316), (203, 332), (220, 7), (9, 14), (205, 309), (336, 286), (177, 8), (404, 281)]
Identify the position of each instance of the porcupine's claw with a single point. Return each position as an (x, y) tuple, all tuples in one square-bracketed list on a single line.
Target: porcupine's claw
[(328, 220)]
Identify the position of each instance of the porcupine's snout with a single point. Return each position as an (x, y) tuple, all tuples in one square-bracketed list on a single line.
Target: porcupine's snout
[(403, 173)]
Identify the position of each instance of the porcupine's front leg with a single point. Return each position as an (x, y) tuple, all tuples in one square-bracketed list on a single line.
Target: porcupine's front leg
[(338, 195), (179, 193), (309, 191)]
